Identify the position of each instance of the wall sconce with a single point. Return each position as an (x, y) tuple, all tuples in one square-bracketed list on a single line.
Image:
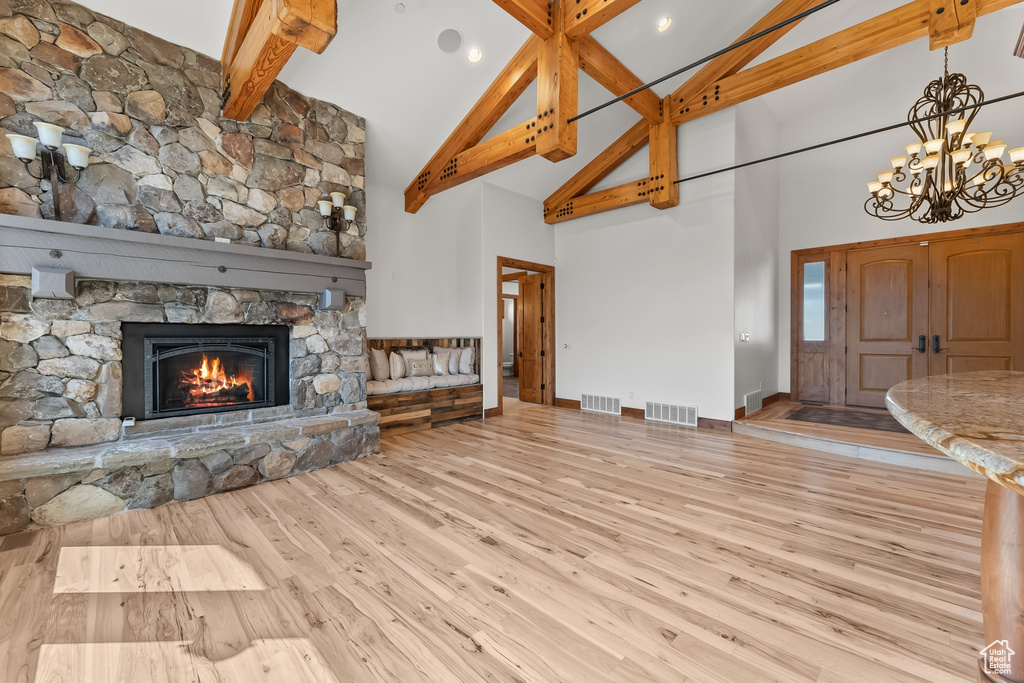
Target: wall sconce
[(334, 210), (53, 164)]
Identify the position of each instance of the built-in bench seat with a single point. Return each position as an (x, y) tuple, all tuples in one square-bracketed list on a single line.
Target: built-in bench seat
[(410, 404)]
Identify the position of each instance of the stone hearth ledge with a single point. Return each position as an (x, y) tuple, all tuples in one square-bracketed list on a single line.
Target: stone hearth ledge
[(179, 446)]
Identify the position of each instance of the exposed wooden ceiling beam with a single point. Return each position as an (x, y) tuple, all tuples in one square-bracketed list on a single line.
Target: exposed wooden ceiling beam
[(1019, 50), (502, 93), (584, 16), (733, 61), (950, 22), (535, 15), (617, 197), (663, 192), (261, 39), (604, 68), (242, 15), (558, 75), (868, 38), (597, 170), (503, 149)]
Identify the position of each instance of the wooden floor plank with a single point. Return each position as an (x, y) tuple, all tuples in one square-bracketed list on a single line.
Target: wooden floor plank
[(545, 545)]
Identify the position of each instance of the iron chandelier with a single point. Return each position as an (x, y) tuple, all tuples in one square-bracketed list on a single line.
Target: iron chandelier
[(951, 171)]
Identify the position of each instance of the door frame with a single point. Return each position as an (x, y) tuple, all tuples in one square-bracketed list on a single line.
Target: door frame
[(548, 329), (834, 257)]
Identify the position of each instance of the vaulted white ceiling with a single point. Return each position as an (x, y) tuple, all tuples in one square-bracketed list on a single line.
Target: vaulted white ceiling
[(387, 67)]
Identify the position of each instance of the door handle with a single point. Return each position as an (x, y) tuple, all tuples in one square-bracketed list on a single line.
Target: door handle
[(922, 344), (520, 354), (936, 345)]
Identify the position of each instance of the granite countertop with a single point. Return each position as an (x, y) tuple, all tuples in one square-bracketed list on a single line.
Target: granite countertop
[(976, 418)]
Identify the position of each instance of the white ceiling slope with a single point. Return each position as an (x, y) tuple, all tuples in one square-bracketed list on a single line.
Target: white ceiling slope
[(387, 67)]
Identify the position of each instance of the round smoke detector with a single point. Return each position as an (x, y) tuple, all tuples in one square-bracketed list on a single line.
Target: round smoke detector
[(449, 40)]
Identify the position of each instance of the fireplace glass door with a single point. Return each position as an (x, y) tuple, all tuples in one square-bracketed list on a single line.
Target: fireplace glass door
[(201, 375)]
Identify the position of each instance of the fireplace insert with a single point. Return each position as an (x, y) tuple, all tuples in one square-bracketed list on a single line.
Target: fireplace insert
[(173, 370)]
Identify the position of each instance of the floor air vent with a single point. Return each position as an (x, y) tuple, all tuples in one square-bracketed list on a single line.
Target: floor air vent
[(663, 412), (752, 402), (601, 404)]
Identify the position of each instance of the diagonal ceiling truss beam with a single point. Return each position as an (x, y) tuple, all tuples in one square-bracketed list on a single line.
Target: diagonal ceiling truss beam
[(584, 16), (603, 67), (892, 29), (590, 175), (732, 62), (492, 105)]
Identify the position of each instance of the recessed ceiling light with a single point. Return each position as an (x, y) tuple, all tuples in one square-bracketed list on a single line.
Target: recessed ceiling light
[(474, 55), (664, 24), (400, 8)]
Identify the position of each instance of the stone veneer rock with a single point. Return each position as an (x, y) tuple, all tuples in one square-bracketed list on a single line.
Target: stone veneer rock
[(164, 158), (60, 360), (64, 455), (61, 486)]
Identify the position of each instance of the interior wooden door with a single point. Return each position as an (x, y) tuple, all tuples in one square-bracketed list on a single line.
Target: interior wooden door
[(886, 320), (977, 304), (531, 367)]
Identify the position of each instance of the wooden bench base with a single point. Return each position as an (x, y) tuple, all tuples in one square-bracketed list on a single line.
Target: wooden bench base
[(413, 411)]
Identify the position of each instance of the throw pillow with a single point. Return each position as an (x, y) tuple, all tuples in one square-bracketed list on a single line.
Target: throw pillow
[(396, 366), (453, 363), (441, 361), (410, 354), (419, 367), (466, 365), (379, 367)]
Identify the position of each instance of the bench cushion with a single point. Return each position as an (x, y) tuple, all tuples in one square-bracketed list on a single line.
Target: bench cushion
[(396, 386)]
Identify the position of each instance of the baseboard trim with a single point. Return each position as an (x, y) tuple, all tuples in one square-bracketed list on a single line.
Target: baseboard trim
[(637, 413), (710, 425), (567, 403), (492, 412)]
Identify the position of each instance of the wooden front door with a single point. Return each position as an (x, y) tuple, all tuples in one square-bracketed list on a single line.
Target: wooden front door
[(531, 366), (886, 319), (977, 304)]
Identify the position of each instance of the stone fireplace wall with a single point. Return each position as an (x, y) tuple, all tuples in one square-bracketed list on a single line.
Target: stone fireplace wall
[(164, 159), (66, 455), (60, 360)]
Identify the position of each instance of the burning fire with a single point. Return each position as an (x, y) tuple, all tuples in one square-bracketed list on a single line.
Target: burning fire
[(209, 382)]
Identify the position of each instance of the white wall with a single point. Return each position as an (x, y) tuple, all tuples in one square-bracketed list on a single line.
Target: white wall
[(512, 226), (645, 298), (823, 192), (757, 245), (426, 267)]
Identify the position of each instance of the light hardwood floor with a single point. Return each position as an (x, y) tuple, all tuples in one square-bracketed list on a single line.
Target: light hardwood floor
[(548, 545)]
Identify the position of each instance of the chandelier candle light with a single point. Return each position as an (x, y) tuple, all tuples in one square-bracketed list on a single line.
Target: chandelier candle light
[(52, 165), (951, 171)]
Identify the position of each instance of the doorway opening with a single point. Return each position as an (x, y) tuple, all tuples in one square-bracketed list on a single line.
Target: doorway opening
[(526, 334)]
